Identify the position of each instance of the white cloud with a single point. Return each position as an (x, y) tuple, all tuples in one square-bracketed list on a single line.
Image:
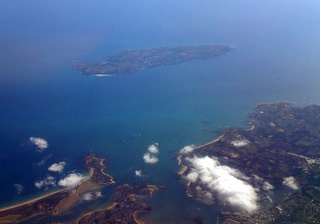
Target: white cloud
[(257, 178), (153, 148), (240, 143), (19, 188), (92, 195), (47, 182), (88, 196), (72, 180), (227, 183), (193, 176), (41, 143), (44, 160), (138, 173), (98, 194), (267, 186), (290, 182), (187, 149), (148, 158), (57, 167)]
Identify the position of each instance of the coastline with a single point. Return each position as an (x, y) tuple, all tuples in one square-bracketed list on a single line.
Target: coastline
[(32, 200), (209, 143), (250, 129), (71, 195), (102, 170), (184, 168)]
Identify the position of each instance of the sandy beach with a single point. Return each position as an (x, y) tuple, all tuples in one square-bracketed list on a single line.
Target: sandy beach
[(32, 200)]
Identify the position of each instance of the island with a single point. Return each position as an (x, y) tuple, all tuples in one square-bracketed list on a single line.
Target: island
[(269, 173), (126, 203), (130, 61)]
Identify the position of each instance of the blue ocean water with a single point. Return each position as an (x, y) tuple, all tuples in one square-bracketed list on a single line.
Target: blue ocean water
[(275, 58)]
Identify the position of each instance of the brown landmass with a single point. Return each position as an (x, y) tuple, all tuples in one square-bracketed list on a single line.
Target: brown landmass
[(283, 141), (97, 169), (130, 61), (57, 202), (126, 206)]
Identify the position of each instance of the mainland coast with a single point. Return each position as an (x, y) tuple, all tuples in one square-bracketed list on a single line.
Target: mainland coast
[(282, 144)]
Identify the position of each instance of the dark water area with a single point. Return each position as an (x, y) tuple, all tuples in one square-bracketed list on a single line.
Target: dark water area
[(275, 59)]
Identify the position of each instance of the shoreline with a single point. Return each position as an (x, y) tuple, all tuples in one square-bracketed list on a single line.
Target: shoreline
[(30, 201), (45, 195), (209, 143), (184, 168)]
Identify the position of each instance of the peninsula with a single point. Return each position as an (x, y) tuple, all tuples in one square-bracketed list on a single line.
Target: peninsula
[(57, 202), (130, 61), (126, 201), (280, 153)]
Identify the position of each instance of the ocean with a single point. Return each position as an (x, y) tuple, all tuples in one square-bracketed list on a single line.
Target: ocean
[(275, 58)]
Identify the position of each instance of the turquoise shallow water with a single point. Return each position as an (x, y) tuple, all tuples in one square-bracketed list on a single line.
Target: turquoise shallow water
[(274, 59)]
